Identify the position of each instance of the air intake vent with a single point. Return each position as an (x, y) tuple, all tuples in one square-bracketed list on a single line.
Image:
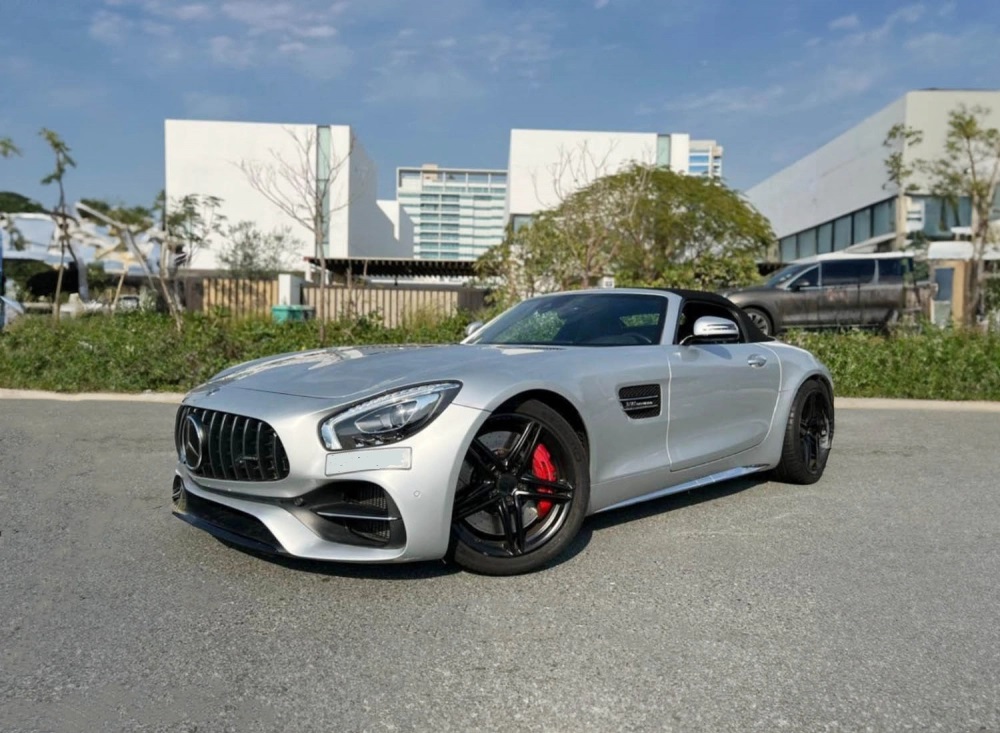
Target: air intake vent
[(642, 400), (221, 445)]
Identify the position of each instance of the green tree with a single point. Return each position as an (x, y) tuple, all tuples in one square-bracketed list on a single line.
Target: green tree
[(968, 168), (191, 222), (8, 148), (15, 203), (646, 226), (250, 253)]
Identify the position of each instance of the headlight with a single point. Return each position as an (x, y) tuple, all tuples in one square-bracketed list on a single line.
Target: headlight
[(388, 418)]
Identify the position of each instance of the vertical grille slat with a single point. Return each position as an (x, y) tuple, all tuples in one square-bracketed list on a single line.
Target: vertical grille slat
[(236, 447), (258, 453)]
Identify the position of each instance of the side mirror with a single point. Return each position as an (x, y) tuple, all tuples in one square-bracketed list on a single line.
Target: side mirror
[(712, 329), (472, 328), (796, 286)]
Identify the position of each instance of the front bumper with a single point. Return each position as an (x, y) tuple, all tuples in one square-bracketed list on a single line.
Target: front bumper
[(286, 517)]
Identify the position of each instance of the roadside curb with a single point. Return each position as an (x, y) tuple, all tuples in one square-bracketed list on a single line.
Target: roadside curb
[(173, 398), (31, 394), (879, 403)]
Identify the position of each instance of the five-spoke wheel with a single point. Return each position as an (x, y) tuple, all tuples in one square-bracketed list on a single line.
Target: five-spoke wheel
[(522, 493), (808, 436)]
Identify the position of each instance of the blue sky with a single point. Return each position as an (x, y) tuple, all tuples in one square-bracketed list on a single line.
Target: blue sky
[(445, 80)]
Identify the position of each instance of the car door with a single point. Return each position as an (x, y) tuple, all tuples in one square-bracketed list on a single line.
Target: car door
[(721, 400), (840, 288), (887, 294), (798, 304)]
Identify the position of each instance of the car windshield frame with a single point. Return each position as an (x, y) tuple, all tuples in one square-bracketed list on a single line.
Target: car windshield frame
[(787, 274), (579, 319)]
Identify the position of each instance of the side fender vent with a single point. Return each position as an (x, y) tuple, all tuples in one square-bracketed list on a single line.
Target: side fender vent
[(642, 400)]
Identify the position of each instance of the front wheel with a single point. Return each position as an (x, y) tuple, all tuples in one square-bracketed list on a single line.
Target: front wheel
[(808, 436), (522, 492)]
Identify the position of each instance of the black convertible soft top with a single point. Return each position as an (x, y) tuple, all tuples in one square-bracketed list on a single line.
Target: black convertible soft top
[(754, 334)]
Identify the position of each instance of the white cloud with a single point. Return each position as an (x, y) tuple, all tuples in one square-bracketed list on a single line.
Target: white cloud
[(598, 4), (108, 27), (742, 99), (844, 23)]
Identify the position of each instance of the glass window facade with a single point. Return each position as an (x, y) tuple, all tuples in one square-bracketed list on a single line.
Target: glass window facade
[(457, 213), (832, 236)]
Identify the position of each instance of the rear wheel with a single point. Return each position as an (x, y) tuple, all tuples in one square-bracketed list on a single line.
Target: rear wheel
[(522, 492), (808, 436), (761, 320)]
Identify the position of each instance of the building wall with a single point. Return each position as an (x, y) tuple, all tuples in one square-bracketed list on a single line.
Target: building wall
[(546, 166), (457, 213), (839, 195), (203, 157), (402, 225), (847, 173)]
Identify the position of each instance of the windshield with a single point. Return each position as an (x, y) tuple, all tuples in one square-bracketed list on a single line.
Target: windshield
[(784, 275), (580, 319)]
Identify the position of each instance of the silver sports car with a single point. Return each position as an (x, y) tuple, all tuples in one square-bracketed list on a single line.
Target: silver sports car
[(490, 453)]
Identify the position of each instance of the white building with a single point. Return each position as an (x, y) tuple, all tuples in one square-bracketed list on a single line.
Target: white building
[(204, 158), (546, 166), (458, 213), (839, 196)]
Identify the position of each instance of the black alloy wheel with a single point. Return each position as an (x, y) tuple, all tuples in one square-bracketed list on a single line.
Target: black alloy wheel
[(808, 436), (522, 492)]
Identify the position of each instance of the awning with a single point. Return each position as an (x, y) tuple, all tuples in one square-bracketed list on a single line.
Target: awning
[(959, 251), (382, 267)]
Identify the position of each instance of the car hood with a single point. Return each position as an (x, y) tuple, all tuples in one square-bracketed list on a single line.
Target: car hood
[(349, 373)]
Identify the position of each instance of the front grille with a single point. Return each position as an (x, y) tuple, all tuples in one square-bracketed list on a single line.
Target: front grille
[(642, 400), (232, 447)]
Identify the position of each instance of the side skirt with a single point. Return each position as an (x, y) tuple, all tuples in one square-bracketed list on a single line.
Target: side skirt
[(714, 478)]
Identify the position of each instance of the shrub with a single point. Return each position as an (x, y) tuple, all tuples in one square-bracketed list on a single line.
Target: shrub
[(932, 363), (137, 351)]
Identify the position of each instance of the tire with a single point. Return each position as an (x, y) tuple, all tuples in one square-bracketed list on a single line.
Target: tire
[(808, 436), (761, 320), (522, 493)]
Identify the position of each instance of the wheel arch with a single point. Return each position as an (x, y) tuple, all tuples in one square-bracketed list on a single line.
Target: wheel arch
[(558, 403), (767, 311)]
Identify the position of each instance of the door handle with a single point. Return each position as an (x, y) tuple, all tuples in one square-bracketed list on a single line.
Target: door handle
[(756, 360)]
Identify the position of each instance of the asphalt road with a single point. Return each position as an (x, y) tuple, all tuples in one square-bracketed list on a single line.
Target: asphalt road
[(869, 601)]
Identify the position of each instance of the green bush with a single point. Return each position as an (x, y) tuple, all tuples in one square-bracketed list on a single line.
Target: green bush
[(933, 363), (133, 352)]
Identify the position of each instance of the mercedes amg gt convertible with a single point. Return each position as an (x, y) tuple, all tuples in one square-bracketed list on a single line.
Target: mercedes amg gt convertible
[(491, 452)]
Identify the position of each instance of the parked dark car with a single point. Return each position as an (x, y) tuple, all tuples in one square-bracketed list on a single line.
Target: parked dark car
[(835, 290)]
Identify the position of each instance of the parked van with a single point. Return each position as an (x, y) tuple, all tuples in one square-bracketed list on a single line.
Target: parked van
[(831, 290)]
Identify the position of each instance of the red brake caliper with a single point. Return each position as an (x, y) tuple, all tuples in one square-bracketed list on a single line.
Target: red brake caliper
[(541, 466)]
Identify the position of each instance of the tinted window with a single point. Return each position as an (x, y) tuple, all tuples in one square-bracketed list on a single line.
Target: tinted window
[(848, 272), (580, 320), (809, 279), (892, 270)]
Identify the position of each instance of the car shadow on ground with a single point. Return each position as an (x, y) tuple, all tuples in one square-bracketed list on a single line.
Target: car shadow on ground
[(439, 568), (646, 509), (385, 571)]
